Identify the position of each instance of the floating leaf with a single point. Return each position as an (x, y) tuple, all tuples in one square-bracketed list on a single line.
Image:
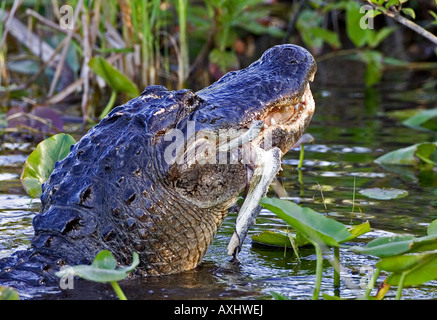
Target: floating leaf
[(103, 268), (313, 225), (272, 239), (114, 78), (384, 193), (425, 119), (410, 156), (41, 162), (281, 240)]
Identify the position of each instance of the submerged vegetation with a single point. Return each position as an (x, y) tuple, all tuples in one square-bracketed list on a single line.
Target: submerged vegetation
[(82, 59)]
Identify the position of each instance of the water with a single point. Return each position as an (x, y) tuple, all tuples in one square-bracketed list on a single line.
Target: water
[(351, 129)]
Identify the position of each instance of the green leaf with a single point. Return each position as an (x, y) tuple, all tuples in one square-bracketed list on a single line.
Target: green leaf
[(114, 78), (281, 240), (328, 36), (386, 246), (103, 268), (384, 193), (390, 3), (409, 12), (354, 31), (378, 2), (41, 162), (104, 260), (7, 293), (313, 225), (432, 228), (417, 268), (396, 245), (400, 263), (425, 119), (272, 239), (359, 230), (410, 156), (376, 37)]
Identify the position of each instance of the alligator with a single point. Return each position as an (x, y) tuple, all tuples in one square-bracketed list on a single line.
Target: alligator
[(158, 174)]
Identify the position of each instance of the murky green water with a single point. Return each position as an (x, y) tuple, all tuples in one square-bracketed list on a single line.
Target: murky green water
[(351, 129)]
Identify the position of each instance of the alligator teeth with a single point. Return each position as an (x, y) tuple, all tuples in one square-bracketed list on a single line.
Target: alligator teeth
[(266, 126), (273, 122)]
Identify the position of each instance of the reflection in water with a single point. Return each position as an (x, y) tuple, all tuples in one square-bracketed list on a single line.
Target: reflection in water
[(350, 130)]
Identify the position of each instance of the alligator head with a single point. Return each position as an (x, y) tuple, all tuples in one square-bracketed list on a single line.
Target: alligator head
[(158, 174)]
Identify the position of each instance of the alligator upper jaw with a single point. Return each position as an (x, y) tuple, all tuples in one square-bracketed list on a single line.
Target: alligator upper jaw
[(287, 117)]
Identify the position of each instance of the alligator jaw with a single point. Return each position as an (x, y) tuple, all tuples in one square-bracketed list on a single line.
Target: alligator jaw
[(289, 118)]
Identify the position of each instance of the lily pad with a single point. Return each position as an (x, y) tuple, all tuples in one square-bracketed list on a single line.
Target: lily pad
[(410, 156), (41, 162), (384, 193), (426, 119), (280, 240), (272, 239)]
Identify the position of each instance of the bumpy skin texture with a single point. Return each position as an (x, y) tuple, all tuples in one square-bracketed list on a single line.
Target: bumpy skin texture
[(117, 191)]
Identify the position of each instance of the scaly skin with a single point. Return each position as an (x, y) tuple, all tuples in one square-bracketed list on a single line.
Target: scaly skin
[(118, 190)]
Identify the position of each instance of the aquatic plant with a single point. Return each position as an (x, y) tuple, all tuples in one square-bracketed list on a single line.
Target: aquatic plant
[(41, 162), (409, 260), (322, 232), (102, 269)]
